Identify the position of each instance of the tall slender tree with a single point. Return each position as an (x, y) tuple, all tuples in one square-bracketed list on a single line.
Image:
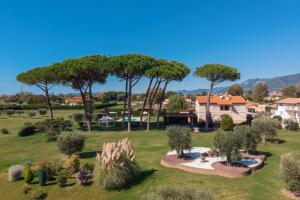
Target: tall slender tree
[(81, 74), (215, 73), (171, 71), (130, 68), (42, 77)]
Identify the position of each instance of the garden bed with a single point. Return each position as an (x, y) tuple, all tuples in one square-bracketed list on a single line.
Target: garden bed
[(291, 194)]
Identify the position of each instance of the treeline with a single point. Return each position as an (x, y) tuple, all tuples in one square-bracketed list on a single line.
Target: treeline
[(54, 106)]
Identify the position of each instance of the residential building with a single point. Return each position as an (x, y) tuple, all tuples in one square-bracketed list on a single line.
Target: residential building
[(74, 101), (288, 108), (234, 106)]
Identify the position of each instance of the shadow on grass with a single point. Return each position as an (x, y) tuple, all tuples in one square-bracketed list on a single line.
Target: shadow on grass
[(88, 154), (143, 176), (276, 141)]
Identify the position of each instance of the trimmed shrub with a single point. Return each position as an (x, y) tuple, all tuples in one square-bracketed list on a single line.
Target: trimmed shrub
[(42, 112), (38, 195), (42, 176), (115, 168), (291, 125), (28, 175), (10, 112), (72, 165), (290, 171), (4, 131), (278, 117), (78, 117), (26, 131), (83, 176), (32, 114), (179, 192), (70, 142), (53, 170), (89, 167), (179, 139), (265, 127), (226, 123), (15, 172), (62, 179), (19, 112)]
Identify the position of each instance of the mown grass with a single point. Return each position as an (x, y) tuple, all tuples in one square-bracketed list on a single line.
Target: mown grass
[(149, 147)]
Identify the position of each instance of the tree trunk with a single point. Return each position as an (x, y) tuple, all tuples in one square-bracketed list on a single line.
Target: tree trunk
[(129, 106), (48, 101), (207, 114), (145, 102), (160, 104), (86, 115), (152, 97), (125, 103), (90, 102)]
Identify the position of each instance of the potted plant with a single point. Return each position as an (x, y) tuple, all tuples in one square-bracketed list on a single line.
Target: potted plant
[(203, 157)]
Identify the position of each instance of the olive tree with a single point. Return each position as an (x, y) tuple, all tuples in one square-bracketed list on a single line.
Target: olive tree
[(215, 73), (265, 127), (249, 137), (235, 90), (179, 139), (81, 74), (42, 77), (260, 91)]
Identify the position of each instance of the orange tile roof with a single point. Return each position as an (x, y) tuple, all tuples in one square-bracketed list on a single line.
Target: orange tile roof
[(289, 101), (251, 103), (222, 100)]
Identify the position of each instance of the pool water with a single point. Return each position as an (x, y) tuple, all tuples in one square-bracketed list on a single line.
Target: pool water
[(193, 155), (247, 161)]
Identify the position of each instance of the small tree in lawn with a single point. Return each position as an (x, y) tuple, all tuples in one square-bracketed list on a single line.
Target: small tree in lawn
[(249, 137), (215, 73), (176, 104), (10, 112), (32, 114), (179, 139), (42, 112), (265, 127), (228, 144), (226, 123)]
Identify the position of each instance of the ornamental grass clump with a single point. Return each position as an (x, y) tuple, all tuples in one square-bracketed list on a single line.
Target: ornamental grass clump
[(15, 172), (115, 167), (290, 171)]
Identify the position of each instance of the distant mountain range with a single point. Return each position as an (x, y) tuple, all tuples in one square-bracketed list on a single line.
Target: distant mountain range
[(276, 83)]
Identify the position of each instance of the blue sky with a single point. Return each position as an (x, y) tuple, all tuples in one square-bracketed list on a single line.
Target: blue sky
[(259, 37)]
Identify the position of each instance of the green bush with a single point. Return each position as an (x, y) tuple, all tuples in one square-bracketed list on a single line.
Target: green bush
[(42, 176), (32, 114), (70, 142), (278, 117), (249, 137), (62, 179), (78, 117), (19, 112), (291, 125), (72, 165), (4, 131), (290, 171), (10, 112), (226, 123), (42, 112), (176, 104), (228, 144), (27, 131), (179, 139), (38, 195), (179, 192), (28, 175)]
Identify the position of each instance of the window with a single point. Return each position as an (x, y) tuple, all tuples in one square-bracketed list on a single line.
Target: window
[(224, 107)]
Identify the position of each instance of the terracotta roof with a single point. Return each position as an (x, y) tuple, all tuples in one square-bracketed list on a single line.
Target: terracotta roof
[(251, 103), (222, 100), (289, 101)]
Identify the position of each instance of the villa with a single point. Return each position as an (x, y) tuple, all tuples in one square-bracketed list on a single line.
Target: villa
[(74, 101), (235, 106), (288, 108)]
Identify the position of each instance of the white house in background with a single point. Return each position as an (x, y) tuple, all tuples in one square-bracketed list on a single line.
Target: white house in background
[(288, 108), (235, 106)]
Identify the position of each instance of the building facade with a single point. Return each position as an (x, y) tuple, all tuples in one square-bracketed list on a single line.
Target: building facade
[(288, 108), (234, 106)]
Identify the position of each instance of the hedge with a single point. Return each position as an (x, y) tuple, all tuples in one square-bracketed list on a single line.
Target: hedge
[(54, 106)]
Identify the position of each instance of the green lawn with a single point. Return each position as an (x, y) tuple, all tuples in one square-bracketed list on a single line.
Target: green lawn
[(149, 147)]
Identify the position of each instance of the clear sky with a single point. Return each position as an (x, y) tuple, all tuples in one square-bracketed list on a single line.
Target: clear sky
[(259, 37)]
